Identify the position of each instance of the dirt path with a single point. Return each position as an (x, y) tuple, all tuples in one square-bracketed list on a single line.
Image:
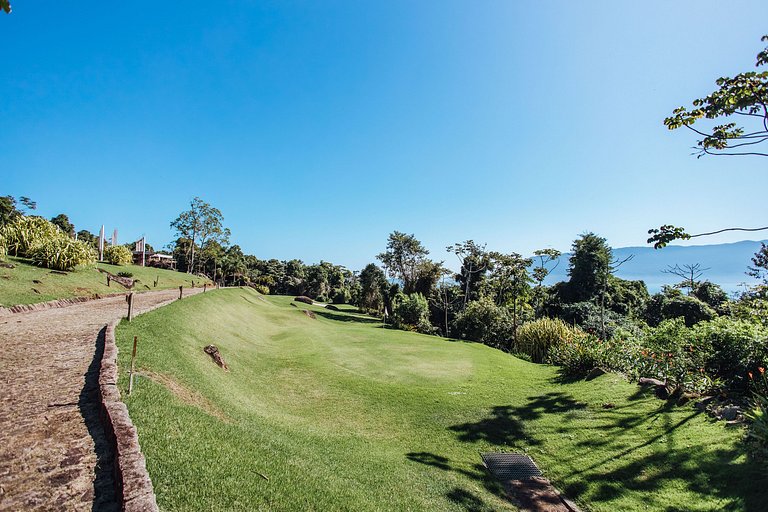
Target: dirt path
[(53, 453)]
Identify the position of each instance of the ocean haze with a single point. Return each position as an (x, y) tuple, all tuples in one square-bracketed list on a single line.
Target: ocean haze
[(727, 264)]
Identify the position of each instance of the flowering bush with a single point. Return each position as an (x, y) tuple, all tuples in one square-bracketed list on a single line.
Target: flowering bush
[(671, 353)]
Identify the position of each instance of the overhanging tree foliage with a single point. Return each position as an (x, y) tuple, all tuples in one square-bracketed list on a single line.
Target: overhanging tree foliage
[(745, 96)]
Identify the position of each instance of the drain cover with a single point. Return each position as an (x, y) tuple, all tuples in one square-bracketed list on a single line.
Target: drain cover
[(510, 466)]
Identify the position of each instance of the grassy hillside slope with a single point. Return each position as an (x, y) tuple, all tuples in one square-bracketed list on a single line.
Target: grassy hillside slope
[(338, 413), (28, 284)]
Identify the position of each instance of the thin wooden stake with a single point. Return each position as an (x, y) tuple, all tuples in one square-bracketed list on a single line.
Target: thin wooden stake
[(130, 306), (205, 287), (133, 360), (181, 291)]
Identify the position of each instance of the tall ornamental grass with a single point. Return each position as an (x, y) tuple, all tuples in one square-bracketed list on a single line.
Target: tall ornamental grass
[(536, 338), (24, 233), (62, 254), (44, 243)]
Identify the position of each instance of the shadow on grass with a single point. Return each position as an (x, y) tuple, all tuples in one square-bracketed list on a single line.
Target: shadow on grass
[(648, 455), (346, 317), (506, 423), (462, 497)]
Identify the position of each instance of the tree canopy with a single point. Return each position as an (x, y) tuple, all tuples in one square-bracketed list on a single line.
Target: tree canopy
[(200, 224), (403, 257), (744, 96)]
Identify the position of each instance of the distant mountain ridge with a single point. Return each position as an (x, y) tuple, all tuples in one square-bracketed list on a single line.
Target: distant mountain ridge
[(727, 264)]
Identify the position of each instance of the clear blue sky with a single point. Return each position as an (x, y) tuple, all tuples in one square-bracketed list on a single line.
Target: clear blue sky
[(319, 127)]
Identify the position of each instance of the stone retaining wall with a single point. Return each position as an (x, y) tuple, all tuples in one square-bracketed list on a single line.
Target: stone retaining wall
[(134, 486), (52, 304), (132, 479)]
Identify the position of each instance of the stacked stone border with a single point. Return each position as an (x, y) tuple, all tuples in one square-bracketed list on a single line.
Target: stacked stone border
[(53, 304), (134, 487)]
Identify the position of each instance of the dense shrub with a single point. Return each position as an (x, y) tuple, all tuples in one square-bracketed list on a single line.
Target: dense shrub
[(341, 296), (671, 353), (411, 312), (736, 348), (118, 255), (757, 414), (538, 337), (24, 233), (671, 303), (753, 306), (62, 253), (124, 274), (3, 247), (584, 352), (482, 320), (712, 295), (589, 317), (264, 290)]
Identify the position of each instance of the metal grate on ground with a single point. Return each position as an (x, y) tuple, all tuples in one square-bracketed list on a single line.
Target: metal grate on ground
[(510, 466)]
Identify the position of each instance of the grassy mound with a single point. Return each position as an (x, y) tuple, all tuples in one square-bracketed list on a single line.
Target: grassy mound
[(338, 413), (28, 284)]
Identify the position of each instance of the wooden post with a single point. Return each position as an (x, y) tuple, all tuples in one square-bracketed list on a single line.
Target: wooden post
[(205, 286), (130, 306), (108, 279), (133, 360), (181, 291)]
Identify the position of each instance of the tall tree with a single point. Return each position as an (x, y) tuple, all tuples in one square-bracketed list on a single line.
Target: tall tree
[(690, 273), (200, 224), (62, 221), (474, 263), (444, 298), (373, 287), (589, 264), (86, 236), (402, 258), (8, 210), (511, 282), (545, 258)]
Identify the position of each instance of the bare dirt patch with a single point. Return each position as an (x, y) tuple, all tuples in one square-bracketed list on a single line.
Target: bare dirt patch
[(185, 394)]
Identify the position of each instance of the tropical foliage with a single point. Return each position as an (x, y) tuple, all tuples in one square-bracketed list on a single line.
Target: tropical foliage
[(62, 253), (118, 255)]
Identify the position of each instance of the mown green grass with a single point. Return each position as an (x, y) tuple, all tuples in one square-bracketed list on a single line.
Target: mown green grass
[(18, 286), (342, 414)]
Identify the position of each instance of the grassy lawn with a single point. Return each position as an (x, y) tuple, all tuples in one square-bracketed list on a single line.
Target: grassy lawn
[(341, 414), (28, 284)]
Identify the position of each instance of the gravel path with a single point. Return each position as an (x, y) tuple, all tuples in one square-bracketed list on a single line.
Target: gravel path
[(53, 453)]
